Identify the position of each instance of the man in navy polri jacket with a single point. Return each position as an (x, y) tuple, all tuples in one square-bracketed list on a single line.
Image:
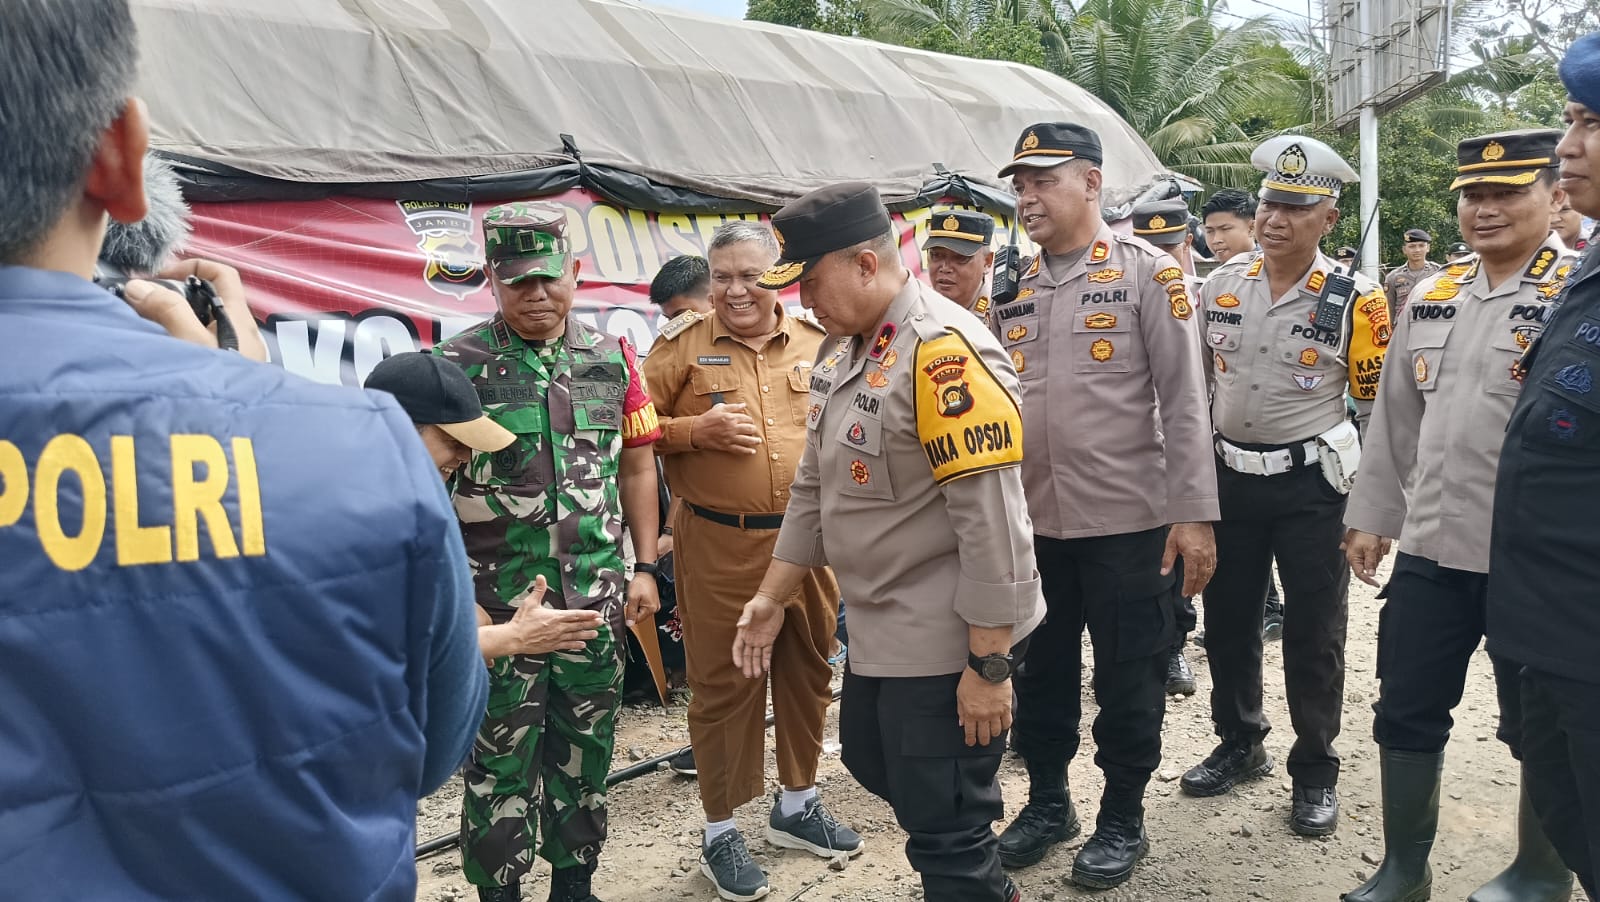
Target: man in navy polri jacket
[(237, 639)]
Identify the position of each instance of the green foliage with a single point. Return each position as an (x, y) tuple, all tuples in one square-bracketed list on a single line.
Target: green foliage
[(843, 17)]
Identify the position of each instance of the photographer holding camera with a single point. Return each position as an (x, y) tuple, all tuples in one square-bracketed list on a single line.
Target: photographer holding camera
[(237, 626)]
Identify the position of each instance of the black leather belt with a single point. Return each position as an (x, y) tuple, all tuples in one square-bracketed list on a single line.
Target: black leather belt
[(738, 521)]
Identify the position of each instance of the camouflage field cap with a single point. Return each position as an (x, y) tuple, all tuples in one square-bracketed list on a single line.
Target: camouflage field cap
[(525, 240)]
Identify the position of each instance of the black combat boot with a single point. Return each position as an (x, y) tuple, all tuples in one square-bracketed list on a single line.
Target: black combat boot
[(1118, 843), (1047, 819), (572, 884), (509, 893), (1537, 874), (1180, 679), (1232, 761), (1410, 784)]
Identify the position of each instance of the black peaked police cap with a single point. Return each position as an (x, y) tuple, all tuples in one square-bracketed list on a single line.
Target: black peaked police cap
[(826, 220)]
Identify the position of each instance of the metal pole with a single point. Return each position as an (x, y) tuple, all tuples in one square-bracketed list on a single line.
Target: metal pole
[(639, 769), (1369, 144)]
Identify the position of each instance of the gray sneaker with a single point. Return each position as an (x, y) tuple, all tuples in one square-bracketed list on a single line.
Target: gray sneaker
[(728, 865), (813, 830)]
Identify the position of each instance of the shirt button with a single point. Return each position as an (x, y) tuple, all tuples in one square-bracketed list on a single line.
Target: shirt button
[(770, 421), (1255, 388), (774, 455), (1248, 424), (1263, 350), (777, 494), (765, 388), (761, 357), (714, 385)]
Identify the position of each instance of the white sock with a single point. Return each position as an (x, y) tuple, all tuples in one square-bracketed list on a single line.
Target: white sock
[(793, 801), (715, 829)]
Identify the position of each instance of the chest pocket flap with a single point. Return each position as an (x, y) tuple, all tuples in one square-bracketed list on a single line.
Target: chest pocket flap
[(1426, 345)]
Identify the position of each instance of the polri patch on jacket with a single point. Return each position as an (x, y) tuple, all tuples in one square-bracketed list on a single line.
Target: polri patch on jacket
[(1563, 424), (715, 360), (1575, 378)]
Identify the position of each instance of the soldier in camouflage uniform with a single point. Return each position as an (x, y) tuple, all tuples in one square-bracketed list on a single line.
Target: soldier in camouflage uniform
[(552, 504)]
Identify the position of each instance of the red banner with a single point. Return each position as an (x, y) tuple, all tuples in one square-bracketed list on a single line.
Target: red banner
[(339, 284)]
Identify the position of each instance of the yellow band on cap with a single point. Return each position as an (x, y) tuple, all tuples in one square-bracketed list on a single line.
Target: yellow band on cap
[(1044, 152), (1298, 189), (1518, 180), (1183, 226), (964, 236), (1505, 164)]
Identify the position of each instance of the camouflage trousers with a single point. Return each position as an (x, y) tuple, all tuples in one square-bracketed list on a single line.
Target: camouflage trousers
[(538, 767)]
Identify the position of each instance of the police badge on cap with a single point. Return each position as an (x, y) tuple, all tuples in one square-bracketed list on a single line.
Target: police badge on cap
[(1300, 170), (962, 231)]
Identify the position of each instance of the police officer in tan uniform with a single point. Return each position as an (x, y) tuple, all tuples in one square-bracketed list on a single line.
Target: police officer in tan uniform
[(910, 488), (1120, 480), (959, 259), (1428, 476), (1165, 224), (1284, 344), (730, 389)]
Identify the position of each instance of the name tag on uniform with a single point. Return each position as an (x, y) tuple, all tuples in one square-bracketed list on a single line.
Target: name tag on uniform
[(715, 360)]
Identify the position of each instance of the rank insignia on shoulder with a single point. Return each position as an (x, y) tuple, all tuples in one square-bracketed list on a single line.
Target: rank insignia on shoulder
[(1100, 252), (679, 323), (1228, 300), (1541, 263), (883, 341), (982, 306), (1315, 282), (1104, 275), (1033, 268), (1255, 267)]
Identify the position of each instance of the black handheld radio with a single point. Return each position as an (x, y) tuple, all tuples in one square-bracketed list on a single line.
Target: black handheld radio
[(1341, 286), (1007, 268)]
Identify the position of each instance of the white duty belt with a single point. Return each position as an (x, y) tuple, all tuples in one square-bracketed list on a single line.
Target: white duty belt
[(1266, 463)]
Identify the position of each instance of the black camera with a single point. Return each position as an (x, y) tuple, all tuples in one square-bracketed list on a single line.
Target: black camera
[(200, 294)]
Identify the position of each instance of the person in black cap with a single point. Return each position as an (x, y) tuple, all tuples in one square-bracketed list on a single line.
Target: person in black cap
[(1345, 256), (959, 257), (1402, 279), (1429, 467), (1165, 224), (910, 489), (1544, 553), (1120, 481), (443, 405), (1458, 252)]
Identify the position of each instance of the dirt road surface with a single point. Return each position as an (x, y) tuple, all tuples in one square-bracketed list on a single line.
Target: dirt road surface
[(1235, 847)]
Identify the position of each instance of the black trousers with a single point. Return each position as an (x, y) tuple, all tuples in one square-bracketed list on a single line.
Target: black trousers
[(901, 741), (1561, 761), (1297, 519), (1431, 623), (1114, 585)]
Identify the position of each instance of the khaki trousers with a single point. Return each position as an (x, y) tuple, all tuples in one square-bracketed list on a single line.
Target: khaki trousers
[(718, 569)]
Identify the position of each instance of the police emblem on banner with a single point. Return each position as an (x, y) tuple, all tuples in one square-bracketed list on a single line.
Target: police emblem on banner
[(445, 236)]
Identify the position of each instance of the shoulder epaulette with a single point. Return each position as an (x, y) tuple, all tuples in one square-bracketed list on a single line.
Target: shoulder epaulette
[(679, 323)]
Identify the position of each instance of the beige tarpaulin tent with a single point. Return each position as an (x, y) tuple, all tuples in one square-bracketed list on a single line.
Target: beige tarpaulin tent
[(408, 91)]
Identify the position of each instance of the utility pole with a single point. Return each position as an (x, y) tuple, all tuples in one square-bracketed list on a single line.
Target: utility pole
[(1369, 145)]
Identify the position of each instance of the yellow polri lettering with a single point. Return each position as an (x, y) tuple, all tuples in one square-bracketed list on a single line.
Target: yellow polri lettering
[(72, 501)]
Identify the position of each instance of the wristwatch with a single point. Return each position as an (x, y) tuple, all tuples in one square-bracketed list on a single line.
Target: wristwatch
[(642, 567), (996, 668)]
